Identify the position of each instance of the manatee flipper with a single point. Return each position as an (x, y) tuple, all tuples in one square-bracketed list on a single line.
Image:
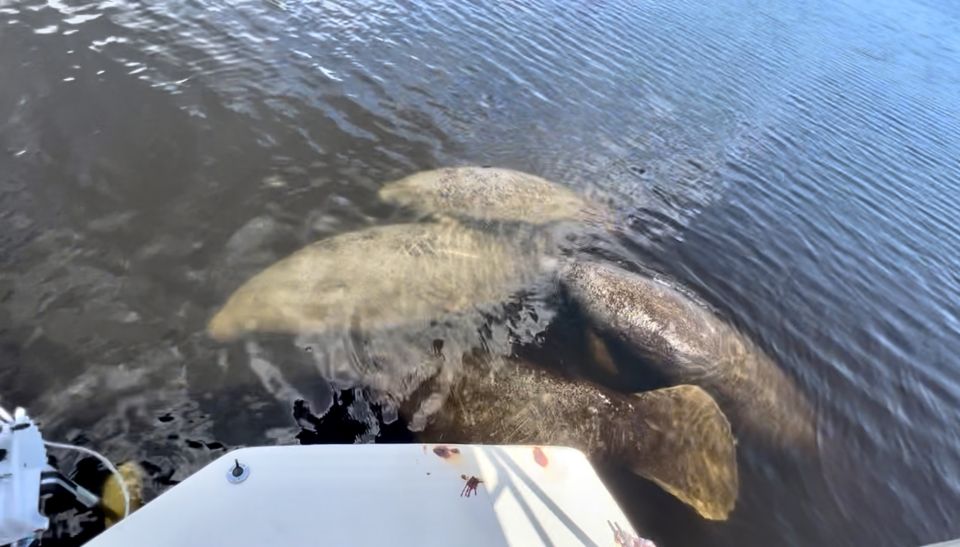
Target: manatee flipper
[(685, 445), (111, 495)]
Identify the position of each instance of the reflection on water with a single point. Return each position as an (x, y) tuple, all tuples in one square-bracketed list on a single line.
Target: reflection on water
[(795, 165)]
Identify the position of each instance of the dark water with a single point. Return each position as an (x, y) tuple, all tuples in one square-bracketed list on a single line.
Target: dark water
[(795, 163)]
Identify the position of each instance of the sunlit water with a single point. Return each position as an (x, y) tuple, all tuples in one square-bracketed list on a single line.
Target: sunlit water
[(795, 164)]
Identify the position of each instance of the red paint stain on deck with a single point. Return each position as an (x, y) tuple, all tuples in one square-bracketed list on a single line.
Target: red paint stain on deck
[(445, 452), (470, 487), (540, 457)]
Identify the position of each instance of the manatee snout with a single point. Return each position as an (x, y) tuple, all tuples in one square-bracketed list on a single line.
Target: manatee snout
[(392, 193), (240, 315), (402, 193), (223, 328)]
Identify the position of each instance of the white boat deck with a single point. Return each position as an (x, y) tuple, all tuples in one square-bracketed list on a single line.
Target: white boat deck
[(419, 494)]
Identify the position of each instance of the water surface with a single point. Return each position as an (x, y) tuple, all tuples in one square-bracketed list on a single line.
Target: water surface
[(795, 164)]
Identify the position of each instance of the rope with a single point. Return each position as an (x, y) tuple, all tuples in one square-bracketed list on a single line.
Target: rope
[(106, 463)]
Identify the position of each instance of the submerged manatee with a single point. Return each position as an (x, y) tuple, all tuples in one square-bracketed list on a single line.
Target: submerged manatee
[(487, 194), (676, 437), (378, 277), (688, 344), (421, 360)]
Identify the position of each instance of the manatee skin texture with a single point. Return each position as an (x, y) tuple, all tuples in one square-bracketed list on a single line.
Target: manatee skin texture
[(486, 194)]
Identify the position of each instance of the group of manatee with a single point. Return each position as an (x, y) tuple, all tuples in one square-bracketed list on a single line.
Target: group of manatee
[(460, 256)]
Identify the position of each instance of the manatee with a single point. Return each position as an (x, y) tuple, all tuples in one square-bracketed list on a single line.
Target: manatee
[(379, 277), (686, 343), (421, 358), (676, 437), (251, 248), (487, 194)]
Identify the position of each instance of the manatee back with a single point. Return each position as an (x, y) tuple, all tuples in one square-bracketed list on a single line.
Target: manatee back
[(376, 278), (668, 329), (486, 194), (685, 343)]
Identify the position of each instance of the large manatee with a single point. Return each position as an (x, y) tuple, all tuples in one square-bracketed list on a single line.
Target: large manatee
[(379, 277), (688, 344), (677, 437), (487, 194)]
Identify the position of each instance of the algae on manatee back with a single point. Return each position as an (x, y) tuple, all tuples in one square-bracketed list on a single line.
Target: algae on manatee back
[(487, 194)]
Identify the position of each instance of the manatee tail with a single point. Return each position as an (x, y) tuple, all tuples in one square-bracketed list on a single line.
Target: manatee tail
[(111, 495), (684, 444)]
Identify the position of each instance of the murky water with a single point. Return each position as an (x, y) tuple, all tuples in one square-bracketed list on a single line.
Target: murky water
[(795, 164)]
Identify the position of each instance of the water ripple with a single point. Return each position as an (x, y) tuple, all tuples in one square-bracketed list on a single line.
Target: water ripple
[(797, 165)]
